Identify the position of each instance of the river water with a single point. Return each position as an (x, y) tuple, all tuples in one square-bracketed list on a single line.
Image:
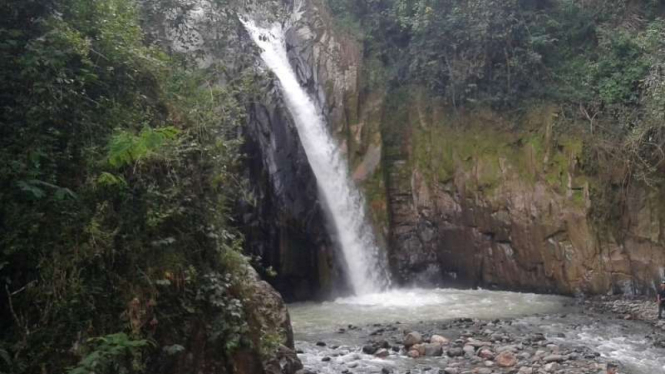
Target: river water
[(556, 316)]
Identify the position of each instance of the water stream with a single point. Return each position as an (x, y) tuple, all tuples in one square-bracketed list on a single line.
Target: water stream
[(555, 316), (364, 260)]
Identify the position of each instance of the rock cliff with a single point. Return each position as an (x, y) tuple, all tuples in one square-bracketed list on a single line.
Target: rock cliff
[(483, 198)]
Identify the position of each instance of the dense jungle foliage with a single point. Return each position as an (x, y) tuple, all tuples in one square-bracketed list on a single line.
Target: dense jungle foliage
[(119, 166), (600, 61)]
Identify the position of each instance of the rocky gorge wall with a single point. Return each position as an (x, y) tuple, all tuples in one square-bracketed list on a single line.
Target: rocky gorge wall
[(467, 197), (482, 198), (477, 197)]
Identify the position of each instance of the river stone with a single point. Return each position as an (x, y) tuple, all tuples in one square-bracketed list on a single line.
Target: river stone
[(420, 348), (554, 358), (413, 353), (451, 370), (285, 361), (469, 350), (506, 359), (486, 354), (512, 348), (382, 353), (525, 370), (477, 343), (370, 349), (455, 352), (433, 349), (412, 338), (439, 340)]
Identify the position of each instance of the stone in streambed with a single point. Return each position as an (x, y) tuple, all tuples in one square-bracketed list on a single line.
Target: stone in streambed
[(455, 352), (486, 354), (438, 339), (370, 349), (420, 348), (554, 358), (412, 338), (506, 359), (382, 353), (413, 353), (433, 349)]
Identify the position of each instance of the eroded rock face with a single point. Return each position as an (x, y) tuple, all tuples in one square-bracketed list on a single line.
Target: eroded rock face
[(286, 226), (475, 203)]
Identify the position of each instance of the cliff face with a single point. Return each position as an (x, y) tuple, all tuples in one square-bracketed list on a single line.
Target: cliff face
[(486, 199)]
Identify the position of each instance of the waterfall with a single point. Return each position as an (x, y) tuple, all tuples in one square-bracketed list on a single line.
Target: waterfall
[(365, 261)]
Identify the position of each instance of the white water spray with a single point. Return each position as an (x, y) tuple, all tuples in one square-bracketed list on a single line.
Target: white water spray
[(366, 267)]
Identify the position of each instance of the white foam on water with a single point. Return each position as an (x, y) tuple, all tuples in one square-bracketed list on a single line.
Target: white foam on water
[(414, 305), (365, 261)]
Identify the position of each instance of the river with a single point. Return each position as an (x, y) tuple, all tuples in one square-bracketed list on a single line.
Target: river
[(359, 317)]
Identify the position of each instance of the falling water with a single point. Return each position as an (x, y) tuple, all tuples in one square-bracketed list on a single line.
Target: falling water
[(345, 204)]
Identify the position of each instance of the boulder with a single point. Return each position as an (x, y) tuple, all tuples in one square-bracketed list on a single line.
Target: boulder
[(433, 349), (420, 348), (412, 338)]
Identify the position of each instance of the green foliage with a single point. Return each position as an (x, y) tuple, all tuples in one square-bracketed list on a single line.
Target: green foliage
[(126, 148), (108, 354), (229, 326), (600, 61), (121, 164)]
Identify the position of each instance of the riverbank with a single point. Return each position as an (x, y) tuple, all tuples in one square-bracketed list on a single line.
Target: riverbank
[(572, 337)]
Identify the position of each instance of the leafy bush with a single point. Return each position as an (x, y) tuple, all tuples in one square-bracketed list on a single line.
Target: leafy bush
[(108, 354), (121, 163)]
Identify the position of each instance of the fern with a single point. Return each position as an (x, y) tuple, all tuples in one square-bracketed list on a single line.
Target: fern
[(109, 180), (106, 352), (126, 148)]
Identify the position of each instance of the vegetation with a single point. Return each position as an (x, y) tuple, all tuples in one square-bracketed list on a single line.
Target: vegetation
[(599, 61), (119, 166)]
